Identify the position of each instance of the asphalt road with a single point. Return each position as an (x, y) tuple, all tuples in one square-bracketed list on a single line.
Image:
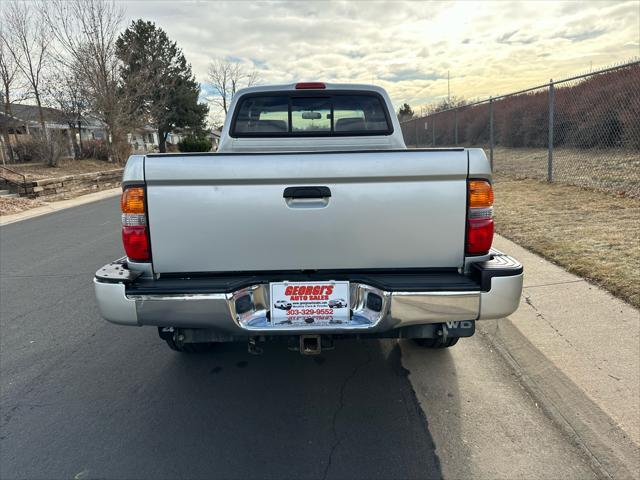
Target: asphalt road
[(81, 398)]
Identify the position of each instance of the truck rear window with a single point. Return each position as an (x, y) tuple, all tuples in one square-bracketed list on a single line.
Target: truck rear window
[(285, 114)]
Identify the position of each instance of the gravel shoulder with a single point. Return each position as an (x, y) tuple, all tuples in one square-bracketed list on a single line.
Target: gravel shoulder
[(11, 205)]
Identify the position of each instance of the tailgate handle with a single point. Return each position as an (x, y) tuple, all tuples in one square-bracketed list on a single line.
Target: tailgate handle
[(306, 192)]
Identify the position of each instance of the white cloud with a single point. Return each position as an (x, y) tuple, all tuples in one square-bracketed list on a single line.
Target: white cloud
[(489, 47)]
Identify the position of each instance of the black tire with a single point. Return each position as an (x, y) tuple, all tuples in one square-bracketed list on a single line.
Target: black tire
[(189, 347), (436, 342)]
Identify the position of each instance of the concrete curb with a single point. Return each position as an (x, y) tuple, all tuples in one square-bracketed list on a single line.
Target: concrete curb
[(611, 453), (60, 205)]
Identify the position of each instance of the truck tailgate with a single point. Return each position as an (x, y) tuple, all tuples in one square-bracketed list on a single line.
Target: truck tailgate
[(228, 212)]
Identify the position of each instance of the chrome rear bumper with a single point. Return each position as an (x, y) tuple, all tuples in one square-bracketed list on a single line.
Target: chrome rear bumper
[(497, 295)]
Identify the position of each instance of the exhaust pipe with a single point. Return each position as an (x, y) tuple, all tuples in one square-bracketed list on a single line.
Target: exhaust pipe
[(310, 345)]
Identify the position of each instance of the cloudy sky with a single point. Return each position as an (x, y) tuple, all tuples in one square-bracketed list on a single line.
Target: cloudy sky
[(488, 47)]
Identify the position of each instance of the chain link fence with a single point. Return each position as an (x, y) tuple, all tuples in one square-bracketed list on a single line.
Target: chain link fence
[(582, 131)]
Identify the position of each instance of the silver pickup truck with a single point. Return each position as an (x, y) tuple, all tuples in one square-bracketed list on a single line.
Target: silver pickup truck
[(312, 222)]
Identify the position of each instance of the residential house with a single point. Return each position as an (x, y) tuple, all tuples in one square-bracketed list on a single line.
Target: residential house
[(143, 140), (214, 136), (20, 122)]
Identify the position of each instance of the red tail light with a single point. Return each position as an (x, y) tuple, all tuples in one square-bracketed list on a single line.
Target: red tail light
[(310, 86), (135, 237), (479, 217), (136, 243), (479, 235)]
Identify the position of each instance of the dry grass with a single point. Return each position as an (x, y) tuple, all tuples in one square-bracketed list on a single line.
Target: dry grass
[(592, 234), (66, 167), (9, 205), (613, 170)]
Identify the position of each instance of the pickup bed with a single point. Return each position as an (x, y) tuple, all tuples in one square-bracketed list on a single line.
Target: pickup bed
[(312, 222)]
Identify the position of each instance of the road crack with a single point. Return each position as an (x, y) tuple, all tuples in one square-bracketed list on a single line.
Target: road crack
[(336, 439), (541, 316), (596, 362), (551, 284)]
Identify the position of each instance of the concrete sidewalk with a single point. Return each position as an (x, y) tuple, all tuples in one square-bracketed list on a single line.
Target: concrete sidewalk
[(577, 350)]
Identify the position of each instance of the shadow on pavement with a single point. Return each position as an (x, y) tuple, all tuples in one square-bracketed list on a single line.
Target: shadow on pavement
[(440, 391)]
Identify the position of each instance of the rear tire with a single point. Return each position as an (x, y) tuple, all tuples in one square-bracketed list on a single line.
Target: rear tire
[(436, 342)]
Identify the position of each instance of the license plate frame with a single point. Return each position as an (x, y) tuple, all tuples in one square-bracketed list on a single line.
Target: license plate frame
[(309, 304)]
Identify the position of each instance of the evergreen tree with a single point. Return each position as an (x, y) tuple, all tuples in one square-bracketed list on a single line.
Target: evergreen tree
[(405, 112), (158, 82)]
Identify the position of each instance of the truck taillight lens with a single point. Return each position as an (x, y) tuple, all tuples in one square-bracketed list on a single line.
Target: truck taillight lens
[(480, 194), (136, 244), (480, 218), (310, 86), (135, 236), (132, 200), (479, 235)]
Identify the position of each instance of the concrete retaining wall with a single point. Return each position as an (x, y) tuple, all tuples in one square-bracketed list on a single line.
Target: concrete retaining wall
[(72, 185)]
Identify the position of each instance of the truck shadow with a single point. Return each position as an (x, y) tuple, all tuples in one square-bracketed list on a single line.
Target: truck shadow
[(348, 413), (441, 394)]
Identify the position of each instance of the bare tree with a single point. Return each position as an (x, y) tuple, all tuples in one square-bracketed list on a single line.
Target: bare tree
[(87, 30), (8, 72), (227, 78), (27, 39), (65, 90), (8, 77), (14, 88)]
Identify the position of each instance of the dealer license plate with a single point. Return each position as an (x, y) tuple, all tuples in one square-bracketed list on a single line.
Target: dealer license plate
[(309, 304)]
